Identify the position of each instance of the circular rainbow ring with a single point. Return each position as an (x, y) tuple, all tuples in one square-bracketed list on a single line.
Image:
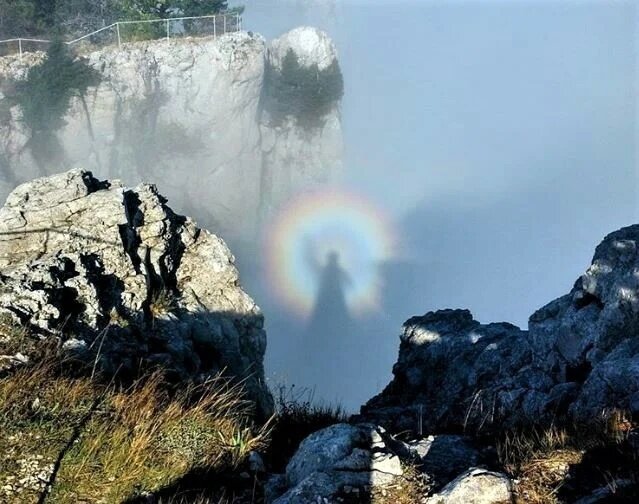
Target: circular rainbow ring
[(303, 234)]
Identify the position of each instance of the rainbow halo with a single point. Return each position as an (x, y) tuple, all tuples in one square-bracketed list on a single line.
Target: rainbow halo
[(307, 230)]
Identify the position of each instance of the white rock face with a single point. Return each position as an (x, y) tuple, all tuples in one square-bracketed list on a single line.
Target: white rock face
[(298, 159), (187, 115), (475, 486), (311, 45), (333, 459), (98, 265)]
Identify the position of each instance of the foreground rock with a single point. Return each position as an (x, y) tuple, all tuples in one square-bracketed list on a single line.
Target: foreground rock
[(334, 462), (579, 358), (476, 486), (124, 283)]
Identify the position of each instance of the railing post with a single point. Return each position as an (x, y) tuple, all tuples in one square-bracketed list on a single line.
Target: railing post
[(224, 23), (117, 29), (214, 26), (168, 37), (20, 47)]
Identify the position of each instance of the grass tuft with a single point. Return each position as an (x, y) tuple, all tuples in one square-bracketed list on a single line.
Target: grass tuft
[(163, 303), (110, 443), (297, 417), (542, 461)]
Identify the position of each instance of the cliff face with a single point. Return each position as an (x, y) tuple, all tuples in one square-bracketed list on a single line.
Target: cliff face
[(188, 114)]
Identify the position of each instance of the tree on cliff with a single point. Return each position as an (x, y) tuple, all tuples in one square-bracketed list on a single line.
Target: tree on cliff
[(45, 96), (303, 92), (77, 17), (172, 8)]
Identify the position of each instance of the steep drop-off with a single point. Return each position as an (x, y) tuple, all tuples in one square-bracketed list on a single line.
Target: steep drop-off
[(189, 115)]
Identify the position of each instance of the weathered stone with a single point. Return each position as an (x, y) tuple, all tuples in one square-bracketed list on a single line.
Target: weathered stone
[(338, 460), (444, 456), (476, 486), (119, 277), (450, 372), (579, 358), (188, 115)]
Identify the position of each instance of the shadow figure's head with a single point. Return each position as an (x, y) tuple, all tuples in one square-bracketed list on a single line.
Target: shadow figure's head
[(332, 259)]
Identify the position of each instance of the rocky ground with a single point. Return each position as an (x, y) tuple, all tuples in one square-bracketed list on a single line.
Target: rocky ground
[(120, 318)]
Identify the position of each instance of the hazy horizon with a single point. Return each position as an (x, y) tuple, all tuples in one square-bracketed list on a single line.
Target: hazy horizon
[(498, 138)]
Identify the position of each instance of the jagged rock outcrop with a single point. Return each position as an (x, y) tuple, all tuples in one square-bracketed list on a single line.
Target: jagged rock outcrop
[(578, 361), (123, 282), (188, 115)]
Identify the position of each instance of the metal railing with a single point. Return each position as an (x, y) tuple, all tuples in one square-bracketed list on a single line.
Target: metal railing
[(122, 32)]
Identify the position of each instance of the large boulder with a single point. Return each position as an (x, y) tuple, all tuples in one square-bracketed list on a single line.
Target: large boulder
[(579, 358), (454, 372), (591, 335), (122, 282)]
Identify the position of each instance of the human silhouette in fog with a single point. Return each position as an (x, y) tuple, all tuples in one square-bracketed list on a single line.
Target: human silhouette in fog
[(327, 342), (330, 312)]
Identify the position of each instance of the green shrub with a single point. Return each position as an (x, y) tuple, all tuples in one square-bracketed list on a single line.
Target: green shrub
[(44, 98), (45, 95), (305, 93)]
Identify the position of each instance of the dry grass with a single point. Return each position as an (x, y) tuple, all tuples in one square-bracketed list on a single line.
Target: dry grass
[(410, 488), (540, 459), (163, 303), (14, 338), (298, 416), (113, 444)]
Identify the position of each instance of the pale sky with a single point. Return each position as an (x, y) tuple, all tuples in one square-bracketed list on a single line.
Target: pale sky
[(499, 135)]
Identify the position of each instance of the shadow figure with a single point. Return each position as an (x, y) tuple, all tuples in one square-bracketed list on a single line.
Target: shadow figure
[(330, 313)]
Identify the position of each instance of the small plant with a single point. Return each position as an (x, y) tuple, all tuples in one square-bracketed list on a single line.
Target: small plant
[(14, 337), (116, 319), (406, 489), (163, 303)]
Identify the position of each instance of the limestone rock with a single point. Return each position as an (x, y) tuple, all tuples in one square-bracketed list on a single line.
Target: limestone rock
[(476, 486), (589, 336), (451, 371), (336, 459), (579, 358), (300, 159), (118, 277), (444, 456), (188, 115), (312, 46)]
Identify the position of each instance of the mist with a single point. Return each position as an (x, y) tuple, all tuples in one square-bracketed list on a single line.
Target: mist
[(489, 147), (499, 137)]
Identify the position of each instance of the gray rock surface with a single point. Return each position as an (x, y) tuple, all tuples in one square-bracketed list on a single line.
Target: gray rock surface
[(476, 486), (187, 115), (336, 460), (444, 456), (579, 358), (119, 278)]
